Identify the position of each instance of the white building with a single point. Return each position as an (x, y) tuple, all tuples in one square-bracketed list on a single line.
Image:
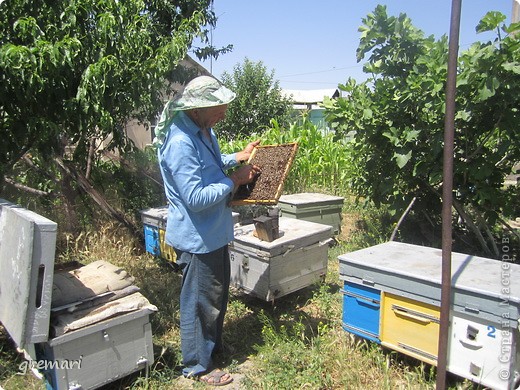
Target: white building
[(309, 100)]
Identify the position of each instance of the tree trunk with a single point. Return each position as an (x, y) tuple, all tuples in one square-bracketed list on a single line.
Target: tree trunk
[(89, 189), (68, 194)]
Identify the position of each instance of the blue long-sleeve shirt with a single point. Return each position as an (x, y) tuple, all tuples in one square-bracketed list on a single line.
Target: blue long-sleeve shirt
[(197, 188)]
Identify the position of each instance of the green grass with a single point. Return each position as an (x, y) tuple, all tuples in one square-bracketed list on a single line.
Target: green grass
[(297, 342)]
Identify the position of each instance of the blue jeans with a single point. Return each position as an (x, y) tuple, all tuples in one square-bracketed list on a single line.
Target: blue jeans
[(203, 304)]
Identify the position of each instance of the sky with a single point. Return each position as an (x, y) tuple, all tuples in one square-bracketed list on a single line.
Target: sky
[(312, 44)]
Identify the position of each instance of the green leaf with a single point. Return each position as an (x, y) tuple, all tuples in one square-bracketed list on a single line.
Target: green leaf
[(512, 67), (490, 21), (485, 93), (402, 159), (412, 135)]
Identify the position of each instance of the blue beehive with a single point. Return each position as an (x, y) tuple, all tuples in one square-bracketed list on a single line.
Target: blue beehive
[(151, 240), (154, 220), (361, 305)]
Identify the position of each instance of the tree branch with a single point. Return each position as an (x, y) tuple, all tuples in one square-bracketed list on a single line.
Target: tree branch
[(25, 188), (43, 172), (88, 188), (467, 219), (121, 160), (403, 216)]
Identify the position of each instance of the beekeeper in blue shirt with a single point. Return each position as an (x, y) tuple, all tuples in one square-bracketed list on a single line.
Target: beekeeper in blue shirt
[(200, 223)]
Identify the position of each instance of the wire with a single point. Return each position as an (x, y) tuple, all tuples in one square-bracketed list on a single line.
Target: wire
[(323, 71)]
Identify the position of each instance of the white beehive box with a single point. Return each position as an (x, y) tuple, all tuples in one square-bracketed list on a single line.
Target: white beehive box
[(270, 270), (111, 344)]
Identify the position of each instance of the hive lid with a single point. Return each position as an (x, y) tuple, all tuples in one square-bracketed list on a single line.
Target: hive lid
[(27, 248), (310, 198), (480, 285), (155, 216), (294, 234)]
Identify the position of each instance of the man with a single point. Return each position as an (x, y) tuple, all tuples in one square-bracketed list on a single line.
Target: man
[(200, 223)]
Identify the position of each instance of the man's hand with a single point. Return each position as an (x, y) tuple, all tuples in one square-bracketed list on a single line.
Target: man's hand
[(244, 155), (244, 175)]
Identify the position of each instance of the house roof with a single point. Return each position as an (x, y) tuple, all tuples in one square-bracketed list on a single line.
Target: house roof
[(312, 96)]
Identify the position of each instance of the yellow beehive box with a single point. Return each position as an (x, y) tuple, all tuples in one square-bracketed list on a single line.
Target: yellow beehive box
[(410, 326), (167, 252)]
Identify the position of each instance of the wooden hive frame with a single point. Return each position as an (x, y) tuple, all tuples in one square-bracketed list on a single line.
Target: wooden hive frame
[(245, 194)]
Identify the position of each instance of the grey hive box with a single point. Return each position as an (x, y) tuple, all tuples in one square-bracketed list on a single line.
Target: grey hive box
[(100, 353), (313, 207), (270, 270), (414, 271), (88, 357), (27, 249)]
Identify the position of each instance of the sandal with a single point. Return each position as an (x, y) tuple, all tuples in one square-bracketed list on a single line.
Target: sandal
[(214, 378)]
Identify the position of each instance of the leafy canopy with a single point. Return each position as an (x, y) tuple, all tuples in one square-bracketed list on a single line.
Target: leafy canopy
[(396, 118), (78, 69), (259, 99)]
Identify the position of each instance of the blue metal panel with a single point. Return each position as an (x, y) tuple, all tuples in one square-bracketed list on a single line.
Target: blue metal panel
[(361, 306), (151, 240)]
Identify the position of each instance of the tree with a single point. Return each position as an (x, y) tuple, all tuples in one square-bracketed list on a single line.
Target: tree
[(78, 70), (259, 99), (396, 119)]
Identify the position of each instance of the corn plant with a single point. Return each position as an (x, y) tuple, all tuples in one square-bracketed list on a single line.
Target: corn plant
[(321, 161)]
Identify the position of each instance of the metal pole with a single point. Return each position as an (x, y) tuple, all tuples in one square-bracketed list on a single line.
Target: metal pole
[(447, 194)]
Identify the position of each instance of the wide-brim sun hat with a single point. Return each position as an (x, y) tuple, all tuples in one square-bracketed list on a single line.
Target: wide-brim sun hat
[(202, 91)]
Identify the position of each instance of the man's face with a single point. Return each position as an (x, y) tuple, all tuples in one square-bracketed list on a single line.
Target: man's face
[(207, 117)]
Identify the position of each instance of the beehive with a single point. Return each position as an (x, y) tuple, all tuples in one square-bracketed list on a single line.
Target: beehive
[(485, 308), (270, 270), (313, 207), (81, 333)]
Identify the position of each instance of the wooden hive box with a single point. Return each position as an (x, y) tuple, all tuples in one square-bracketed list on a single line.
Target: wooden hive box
[(113, 342), (313, 207), (484, 313), (270, 270)]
